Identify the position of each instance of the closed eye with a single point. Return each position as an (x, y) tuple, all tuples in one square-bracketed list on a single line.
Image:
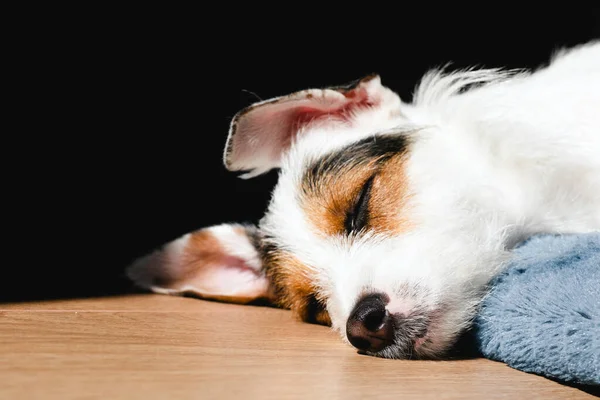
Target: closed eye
[(358, 215), (315, 312)]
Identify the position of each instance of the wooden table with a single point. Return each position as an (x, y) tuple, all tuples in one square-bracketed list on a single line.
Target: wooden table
[(160, 347)]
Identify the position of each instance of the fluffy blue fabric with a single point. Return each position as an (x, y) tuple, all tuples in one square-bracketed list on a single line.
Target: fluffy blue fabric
[(543, 313)]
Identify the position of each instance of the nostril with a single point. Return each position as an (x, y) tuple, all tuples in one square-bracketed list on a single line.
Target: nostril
[(374, 319)]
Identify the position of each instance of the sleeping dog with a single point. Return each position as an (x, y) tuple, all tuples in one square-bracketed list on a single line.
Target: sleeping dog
[(390, 218)]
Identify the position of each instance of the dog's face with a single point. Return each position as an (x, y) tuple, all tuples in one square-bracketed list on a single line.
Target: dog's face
[(343, 242)]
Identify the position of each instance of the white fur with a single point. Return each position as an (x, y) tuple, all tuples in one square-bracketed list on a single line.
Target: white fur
[(515, 155)]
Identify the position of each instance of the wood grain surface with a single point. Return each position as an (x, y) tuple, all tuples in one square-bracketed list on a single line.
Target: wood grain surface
[(160, 347)]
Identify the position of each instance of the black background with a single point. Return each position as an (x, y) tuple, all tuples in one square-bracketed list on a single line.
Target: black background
[(138, 104)]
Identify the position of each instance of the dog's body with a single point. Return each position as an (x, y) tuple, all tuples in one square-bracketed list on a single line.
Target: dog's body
[(389, 219)]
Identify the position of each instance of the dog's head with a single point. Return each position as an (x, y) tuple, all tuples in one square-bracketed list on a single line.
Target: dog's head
[(340, 243)]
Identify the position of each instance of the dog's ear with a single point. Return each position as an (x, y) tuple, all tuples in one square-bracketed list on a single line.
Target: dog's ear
[(221, 263), (261, 133)]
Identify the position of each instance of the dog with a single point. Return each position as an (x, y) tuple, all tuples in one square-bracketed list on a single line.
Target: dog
[(389, 218)]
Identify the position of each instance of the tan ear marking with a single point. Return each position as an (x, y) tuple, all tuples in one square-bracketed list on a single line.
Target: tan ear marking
[(221, 262)]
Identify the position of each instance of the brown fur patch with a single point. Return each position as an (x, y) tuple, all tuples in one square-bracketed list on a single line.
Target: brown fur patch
[(389, 196), (294, 287), (327, 206)]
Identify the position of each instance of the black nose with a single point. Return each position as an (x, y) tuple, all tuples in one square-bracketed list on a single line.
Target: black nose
[(370, 327)]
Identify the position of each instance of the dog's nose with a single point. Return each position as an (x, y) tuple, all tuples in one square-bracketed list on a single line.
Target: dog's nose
[(370, 326)]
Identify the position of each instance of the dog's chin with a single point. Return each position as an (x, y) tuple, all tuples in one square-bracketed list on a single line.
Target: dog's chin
[(423, 349), (436, 344)]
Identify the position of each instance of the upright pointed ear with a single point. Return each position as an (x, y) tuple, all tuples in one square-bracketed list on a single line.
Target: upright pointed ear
[(262, 132), (221, 263)]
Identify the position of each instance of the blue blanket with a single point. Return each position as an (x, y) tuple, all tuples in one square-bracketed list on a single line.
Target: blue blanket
[(543, 313)]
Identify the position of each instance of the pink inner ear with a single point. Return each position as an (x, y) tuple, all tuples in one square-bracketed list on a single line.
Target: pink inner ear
[(354, 100), (260, 134), (231, 278)]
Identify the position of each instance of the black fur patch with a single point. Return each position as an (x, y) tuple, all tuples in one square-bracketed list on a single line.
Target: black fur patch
[(379, 148)]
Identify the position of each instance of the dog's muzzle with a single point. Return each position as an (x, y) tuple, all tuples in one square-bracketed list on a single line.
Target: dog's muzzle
[(371, 328)]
